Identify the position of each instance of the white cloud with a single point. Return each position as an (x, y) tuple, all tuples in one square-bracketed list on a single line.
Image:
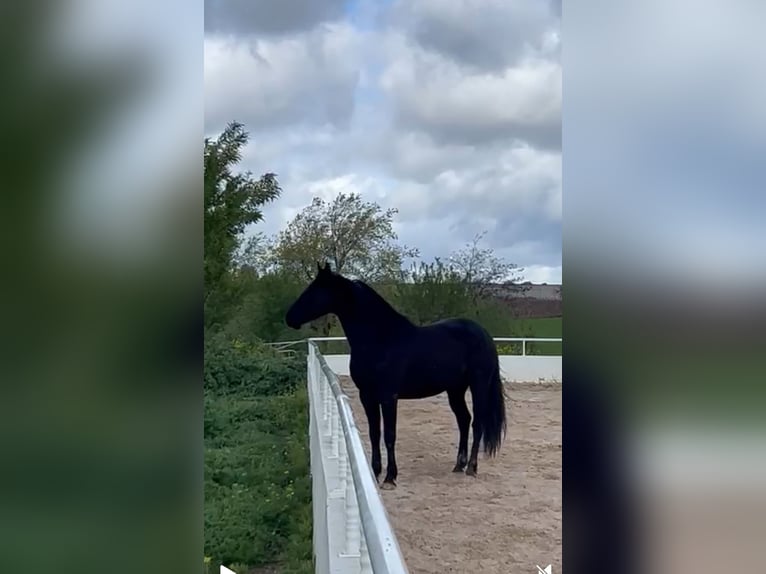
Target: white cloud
[(502, 183), (439, 96), (305, 78)]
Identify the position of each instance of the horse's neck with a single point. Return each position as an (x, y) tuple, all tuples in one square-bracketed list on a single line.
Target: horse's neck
[(370, 320), (356, 334)]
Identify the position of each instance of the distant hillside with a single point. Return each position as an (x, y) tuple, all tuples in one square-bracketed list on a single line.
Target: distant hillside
[(530, 300)]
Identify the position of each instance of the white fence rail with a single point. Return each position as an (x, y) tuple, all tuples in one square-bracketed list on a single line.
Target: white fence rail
[(523, 368), (352, 533)]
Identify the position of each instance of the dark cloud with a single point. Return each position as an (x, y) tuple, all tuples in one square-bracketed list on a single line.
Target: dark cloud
[(528, 239), (453, 130), (244, 17), (486, 34), (556, 6)]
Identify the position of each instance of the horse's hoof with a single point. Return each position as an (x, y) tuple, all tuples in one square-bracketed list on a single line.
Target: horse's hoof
[(458, 468), (388, 485), (471, 471)]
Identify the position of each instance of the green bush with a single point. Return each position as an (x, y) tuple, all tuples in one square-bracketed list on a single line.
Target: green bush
[(261, 312), (257, 482), (435, 291), (249, 368), (257, 485)]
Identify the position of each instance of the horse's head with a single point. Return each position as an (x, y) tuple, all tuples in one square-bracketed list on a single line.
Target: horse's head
[(325, 294)]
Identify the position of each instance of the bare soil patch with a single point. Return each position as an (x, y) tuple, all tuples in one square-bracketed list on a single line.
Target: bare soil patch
[(508, 519)]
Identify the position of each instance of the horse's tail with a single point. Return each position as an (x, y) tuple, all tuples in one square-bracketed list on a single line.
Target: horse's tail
[(492, 416)]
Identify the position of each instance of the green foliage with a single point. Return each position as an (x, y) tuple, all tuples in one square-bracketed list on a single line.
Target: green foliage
[(264, 300), (433, 291), (232, 201), (357, 237), (257, 483), (237, 367)]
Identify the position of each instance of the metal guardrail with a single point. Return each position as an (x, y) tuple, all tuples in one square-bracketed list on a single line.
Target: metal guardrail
[(352, 533), (522, 340)]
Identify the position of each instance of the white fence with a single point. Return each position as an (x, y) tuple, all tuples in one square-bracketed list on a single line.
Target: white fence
[(352, 533), (513, 368)]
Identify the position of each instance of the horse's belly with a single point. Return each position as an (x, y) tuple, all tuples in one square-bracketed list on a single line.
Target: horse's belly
[(427, 383), (421, 392)]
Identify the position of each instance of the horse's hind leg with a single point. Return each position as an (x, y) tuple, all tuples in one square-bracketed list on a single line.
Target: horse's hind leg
[(463, 416), (473, 462), (478, 406)]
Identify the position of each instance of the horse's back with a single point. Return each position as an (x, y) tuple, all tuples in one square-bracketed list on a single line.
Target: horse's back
[(445, 353), (435, 358), (469, 339), (467, 331)]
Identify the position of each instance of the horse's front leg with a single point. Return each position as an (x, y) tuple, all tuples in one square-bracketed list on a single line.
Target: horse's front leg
[(372, 410), (389, 406)]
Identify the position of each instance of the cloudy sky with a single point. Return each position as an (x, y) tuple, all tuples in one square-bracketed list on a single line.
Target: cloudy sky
[(448, 111)]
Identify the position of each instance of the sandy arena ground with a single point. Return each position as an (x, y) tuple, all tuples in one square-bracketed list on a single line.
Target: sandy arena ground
[(508, 519)]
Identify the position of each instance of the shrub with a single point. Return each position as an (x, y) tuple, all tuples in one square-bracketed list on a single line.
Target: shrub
[(249, 368), (257, 482), (257, 485)]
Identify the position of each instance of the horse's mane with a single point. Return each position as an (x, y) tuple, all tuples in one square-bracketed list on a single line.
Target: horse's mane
[(378, 312)]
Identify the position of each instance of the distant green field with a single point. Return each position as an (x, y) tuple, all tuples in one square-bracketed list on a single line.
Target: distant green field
[(546, 327), (537, 328)]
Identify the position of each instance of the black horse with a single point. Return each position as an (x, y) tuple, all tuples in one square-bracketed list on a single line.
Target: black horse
[(391, 359)]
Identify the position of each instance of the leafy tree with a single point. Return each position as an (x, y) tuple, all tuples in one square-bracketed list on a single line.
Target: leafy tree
[(482, 269), (232, 201), (461, 287), (256, 254), (261, 311), (432, 291), (357, 237)]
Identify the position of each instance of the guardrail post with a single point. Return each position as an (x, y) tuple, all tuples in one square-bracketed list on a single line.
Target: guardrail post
[(364, 556), (524, 348), (335, 432), (352, 515)]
